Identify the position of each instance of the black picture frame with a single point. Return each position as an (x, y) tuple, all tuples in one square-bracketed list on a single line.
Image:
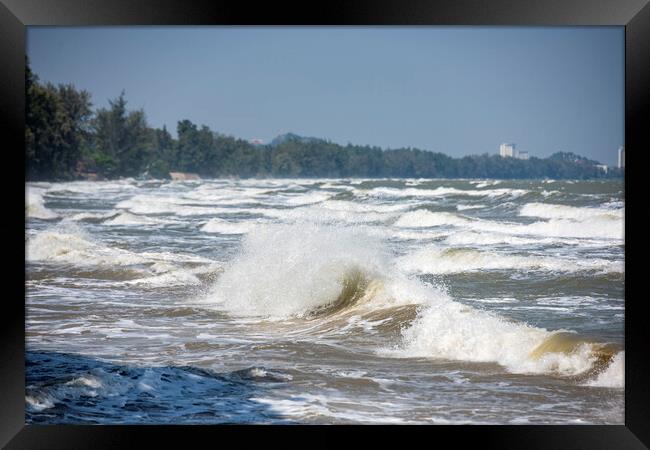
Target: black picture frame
[(16, 15)]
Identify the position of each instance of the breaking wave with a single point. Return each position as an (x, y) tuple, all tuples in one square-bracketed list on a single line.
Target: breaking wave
[(70, 245), (551, 211), (35, 205), (312, 271), (598, 227), (444, 260), (450, 330), (222, 226), (445, 191), (612, 376), (291, 270)]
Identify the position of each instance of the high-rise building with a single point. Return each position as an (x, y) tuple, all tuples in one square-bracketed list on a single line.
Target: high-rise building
[(507, 150), (621, 157)]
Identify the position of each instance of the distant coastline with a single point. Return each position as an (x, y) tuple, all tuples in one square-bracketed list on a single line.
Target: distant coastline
[(66, 140)]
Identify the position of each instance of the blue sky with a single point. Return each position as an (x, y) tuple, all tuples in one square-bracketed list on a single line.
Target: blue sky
[(457, 90)]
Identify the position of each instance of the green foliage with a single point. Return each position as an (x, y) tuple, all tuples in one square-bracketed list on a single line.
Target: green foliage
[(56, 126), (65, 140), (159, 169), (123, 137), (103, 164)]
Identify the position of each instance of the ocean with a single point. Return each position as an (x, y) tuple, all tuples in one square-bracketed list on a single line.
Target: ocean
[(325, 301)]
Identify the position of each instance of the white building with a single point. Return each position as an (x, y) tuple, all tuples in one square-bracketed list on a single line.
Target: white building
[(621, 157), (508, 150), (602, 167)]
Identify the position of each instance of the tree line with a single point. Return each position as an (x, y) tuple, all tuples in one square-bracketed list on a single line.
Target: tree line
[(66, 140)]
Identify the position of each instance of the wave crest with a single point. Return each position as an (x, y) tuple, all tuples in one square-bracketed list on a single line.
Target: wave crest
[(290, 270)]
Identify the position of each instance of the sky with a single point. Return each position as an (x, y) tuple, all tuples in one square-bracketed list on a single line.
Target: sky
[(456, 90)]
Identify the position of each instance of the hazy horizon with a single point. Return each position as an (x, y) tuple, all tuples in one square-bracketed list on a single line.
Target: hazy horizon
[(456, 90)]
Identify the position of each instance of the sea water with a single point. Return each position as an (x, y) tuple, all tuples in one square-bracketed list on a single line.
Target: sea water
[(325, 301)]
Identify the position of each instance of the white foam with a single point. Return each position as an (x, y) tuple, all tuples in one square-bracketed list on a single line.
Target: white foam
[(613, 204), (93, 187), (450, 330), (485, 183), (172, 278), (218, 194), (222, 226), (286, 270), (562, 228), (445, 191), (417, 234), (462, 207), (307, 198), (444, 260), (73, 246), (35, 205), (146, 204), (422, 218), (552, 211), (128, 219), (320, 214), (349, 206), (482, 238), (40, 402), (95, 383), (87, 381), (149, 204), (290, 270), (462, 238), (608, 229), (305, 406), (613, 376), (168, 257)]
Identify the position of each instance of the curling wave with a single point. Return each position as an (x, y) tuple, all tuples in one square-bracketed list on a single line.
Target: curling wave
[(290, 270), (314, 271)]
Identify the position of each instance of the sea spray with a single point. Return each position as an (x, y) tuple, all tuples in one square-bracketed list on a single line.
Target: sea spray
[(452, 331), (70, 244), (286, 270), (613, 375), (35, 205), (309, 270)]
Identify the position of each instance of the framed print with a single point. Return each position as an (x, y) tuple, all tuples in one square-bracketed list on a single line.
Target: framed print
[(413, 216)]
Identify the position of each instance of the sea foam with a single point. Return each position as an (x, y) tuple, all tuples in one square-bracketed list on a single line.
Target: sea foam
[(35, 205), (599, 227), (613, 376), (285, 271), (552, 211), (71, 245), (435, 259)]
